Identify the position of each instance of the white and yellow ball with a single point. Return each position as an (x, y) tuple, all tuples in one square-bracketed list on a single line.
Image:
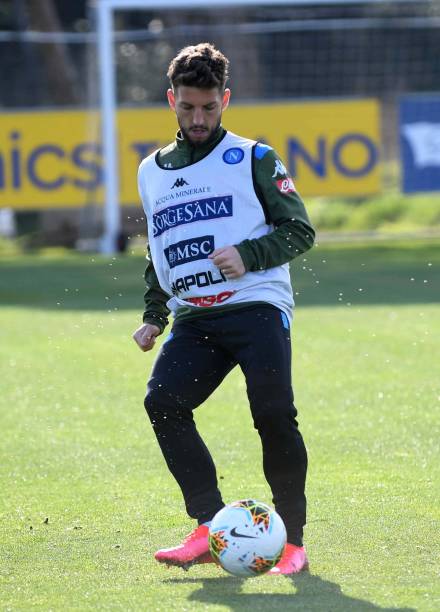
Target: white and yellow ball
[(247, 538)]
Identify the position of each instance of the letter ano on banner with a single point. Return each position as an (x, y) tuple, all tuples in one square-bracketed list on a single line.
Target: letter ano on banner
[(49, 160)]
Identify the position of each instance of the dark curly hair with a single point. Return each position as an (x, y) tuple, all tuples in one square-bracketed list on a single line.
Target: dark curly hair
[(201, 66)]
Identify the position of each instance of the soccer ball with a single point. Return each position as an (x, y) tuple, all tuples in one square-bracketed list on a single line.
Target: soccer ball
[(247, 538)]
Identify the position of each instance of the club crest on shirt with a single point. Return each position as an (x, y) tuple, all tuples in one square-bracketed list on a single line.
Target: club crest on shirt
[(233, 156)]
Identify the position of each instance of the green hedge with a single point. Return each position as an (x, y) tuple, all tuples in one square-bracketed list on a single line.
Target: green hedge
[(390, 212)]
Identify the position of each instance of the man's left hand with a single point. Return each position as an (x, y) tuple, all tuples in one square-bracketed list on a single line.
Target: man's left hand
[(229, 261)]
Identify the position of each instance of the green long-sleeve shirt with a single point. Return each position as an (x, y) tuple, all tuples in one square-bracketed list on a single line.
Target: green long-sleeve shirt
[(283, 208)]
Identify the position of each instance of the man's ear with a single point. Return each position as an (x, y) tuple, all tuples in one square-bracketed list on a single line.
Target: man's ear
[(171, 99), (226, 98)]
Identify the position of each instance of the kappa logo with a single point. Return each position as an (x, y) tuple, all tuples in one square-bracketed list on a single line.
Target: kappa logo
[(180, 182), (189, 250), (280, 169)]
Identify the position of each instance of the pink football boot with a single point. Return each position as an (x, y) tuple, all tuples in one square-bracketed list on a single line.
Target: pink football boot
[(194, 549), (293, 561)]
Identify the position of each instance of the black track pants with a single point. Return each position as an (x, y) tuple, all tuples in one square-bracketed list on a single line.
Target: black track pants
[(191, 364)]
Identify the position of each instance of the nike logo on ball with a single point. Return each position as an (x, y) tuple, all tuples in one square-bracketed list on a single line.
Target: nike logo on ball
[(241, 535)]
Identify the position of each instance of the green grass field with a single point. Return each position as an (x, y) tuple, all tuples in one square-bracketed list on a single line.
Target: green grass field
[(86, 498)]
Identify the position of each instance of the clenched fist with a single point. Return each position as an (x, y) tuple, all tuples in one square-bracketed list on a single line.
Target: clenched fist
[(229, 261), (145, 336)]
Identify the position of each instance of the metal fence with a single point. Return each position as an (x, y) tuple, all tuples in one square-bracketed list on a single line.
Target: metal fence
[(381, 49), (377, 49)]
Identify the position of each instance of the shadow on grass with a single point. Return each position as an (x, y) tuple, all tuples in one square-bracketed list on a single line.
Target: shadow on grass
[(402, 273), (310, 593)]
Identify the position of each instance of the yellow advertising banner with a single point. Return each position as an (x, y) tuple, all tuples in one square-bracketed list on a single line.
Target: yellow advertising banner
[(54, 159)]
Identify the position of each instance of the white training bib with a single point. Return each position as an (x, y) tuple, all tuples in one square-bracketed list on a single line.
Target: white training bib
[(204, 206)]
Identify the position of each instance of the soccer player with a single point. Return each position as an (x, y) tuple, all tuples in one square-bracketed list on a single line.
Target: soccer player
[(224, 219)]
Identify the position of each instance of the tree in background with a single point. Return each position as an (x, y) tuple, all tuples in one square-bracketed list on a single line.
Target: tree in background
[(61, 74)]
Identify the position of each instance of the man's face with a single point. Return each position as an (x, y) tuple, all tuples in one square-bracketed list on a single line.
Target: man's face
[(198, 111)]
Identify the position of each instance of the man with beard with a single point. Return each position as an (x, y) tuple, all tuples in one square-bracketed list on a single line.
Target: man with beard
[(224, 219)]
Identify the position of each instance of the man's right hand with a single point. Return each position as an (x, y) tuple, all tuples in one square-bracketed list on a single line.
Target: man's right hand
[(145, 336)]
